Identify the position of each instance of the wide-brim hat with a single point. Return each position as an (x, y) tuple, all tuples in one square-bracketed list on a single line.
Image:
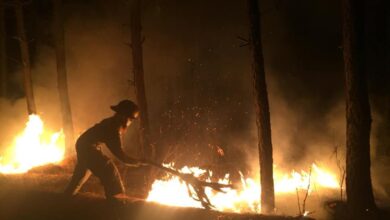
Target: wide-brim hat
[(126, 108)]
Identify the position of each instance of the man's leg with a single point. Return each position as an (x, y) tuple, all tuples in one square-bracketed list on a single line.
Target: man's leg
[(110, 178), (106, 171), (112, 181), (80, 176)]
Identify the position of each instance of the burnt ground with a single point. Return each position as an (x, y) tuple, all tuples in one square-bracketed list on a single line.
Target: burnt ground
[(37, 195)]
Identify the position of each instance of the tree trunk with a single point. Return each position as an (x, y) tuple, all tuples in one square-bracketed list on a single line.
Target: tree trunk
[(262, 110), (375, 45), (138, 71), (360, 199), (62, 80), (24, 51), (3, 53), (387, 90)]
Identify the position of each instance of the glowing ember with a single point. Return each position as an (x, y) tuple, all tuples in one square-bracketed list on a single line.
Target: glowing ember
[(33, 147), (174, 192)]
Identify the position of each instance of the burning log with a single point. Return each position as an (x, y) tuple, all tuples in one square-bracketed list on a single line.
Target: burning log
[(198, 186)]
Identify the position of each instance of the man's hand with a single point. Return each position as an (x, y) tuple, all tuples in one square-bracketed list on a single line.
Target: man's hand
[(143, 162), (138, 163)]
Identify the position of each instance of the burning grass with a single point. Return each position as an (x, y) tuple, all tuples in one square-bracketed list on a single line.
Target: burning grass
[(34, 146), (171, 190)]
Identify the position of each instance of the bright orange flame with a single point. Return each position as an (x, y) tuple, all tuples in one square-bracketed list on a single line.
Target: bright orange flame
[(33, 147), (319, 177), (174, 192)]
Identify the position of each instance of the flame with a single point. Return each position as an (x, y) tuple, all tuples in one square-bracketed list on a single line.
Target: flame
[(318, 177), (174, 192), (33, 147)]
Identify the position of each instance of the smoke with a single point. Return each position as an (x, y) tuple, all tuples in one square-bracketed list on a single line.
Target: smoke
[(10, 115), (198, 81), (98, 76), (195, 68)]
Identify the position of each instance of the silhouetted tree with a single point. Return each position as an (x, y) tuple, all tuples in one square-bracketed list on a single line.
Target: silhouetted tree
[(377, 65), (3, 53), (360, 199), (62, 79), (262, 110), (25, 56), (138, 71)]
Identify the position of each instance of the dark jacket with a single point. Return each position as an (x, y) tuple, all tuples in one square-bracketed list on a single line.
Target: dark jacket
[(107, 132)]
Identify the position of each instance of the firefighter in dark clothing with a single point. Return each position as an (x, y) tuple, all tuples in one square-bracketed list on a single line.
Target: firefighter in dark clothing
[(90, 158)]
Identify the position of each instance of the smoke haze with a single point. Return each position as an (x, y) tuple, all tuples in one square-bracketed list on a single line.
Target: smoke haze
[(198, 79)]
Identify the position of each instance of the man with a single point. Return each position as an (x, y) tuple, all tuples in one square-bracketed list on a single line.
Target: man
[(90, 158)]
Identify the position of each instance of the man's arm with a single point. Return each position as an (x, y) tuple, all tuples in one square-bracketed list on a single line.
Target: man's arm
[(115, 146)]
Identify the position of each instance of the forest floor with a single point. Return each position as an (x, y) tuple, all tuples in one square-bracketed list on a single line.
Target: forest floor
[(31, 204), (38, 195)]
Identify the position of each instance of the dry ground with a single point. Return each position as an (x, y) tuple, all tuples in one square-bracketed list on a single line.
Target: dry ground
[(37, 195)]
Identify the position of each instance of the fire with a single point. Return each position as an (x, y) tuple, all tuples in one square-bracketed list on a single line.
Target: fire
[(318, 177), (174, 192), (33, 147)]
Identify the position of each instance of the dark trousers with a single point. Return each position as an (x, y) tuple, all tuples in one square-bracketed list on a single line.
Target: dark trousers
[(92, 160)]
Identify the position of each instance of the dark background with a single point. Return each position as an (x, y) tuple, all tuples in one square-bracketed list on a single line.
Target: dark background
[(198, 75)]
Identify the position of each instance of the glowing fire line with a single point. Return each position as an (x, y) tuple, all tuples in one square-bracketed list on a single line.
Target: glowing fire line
[(33, 147), (174, 192)]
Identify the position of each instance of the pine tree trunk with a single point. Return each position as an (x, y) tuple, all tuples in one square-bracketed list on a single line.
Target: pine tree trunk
[(136, 44), (24, 51), (375, 45), (360, 199), (387, 73), (262, 111), (3, 53), (62, 79)]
